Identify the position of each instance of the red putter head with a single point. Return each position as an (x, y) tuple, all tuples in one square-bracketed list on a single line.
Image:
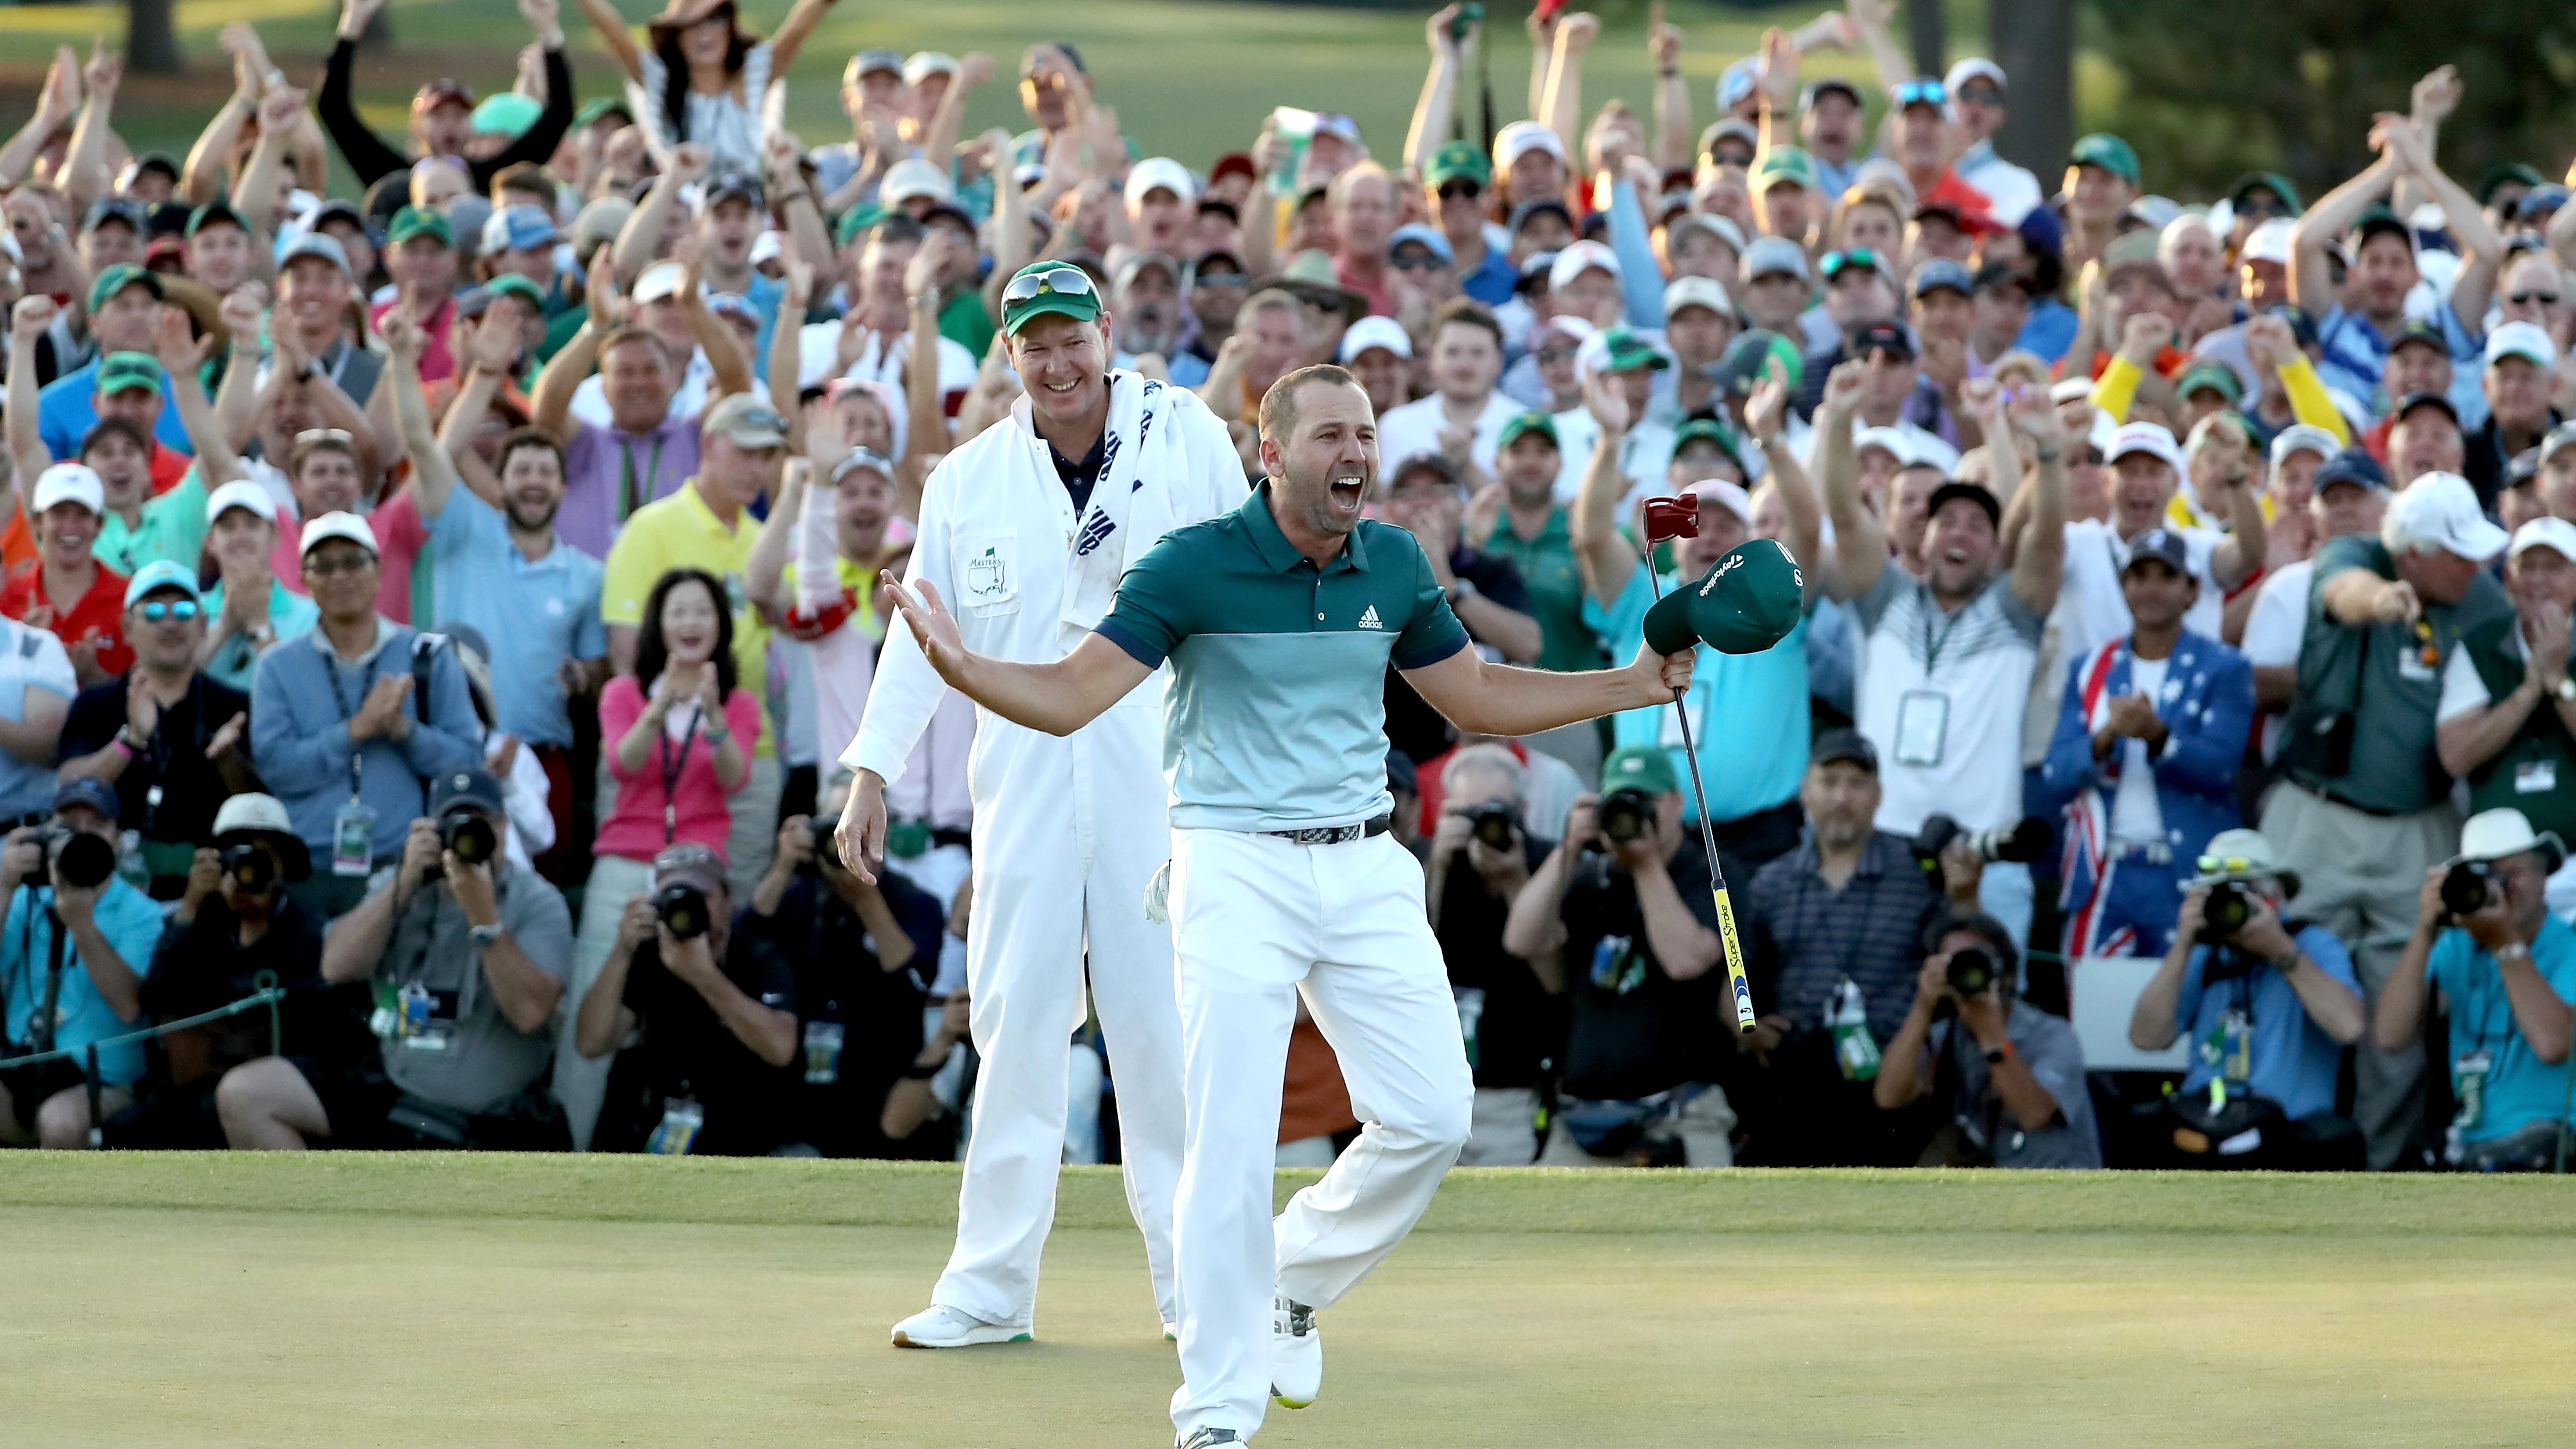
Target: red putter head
[(1671, 518)]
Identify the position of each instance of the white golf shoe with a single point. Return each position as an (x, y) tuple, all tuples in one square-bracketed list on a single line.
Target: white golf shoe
[(940, 1326), (1296, 1355), (1209, 1438), (1171, 1331)]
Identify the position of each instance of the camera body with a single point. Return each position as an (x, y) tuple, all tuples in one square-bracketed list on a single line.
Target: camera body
[(826, 848), (2468, 887), (81, 860), (250, 867), (683, 911), (1493, 824), (2226, 909), (469, 835), (1625, 814), (1971, 972)]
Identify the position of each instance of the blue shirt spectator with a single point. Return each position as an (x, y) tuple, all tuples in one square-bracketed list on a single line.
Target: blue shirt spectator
[(2251, 1026), (68, 408), (536, 613), (128, 921), (2519, 1088), (1748, 711), (302, 701)]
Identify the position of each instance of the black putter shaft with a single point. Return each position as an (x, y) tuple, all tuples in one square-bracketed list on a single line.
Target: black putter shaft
[(1737, 985)]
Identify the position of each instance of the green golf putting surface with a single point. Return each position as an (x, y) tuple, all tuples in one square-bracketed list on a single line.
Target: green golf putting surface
[(352, 1300)]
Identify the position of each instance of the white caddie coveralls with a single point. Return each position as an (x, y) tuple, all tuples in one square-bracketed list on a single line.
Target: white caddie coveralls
[(1285, 880), (1068, 832)]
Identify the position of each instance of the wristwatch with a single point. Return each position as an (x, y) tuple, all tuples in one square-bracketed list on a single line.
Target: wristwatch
[(484, 936), (2512, 951), (1460, 590), (125, 736), (2565, 688), (1996, 1055)]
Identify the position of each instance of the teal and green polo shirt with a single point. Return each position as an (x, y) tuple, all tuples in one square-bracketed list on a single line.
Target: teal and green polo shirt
[(1276, 716)]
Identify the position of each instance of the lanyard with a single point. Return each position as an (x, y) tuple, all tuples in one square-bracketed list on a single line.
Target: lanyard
[(627, 502), (671, 769), (1931, 647), (340, 697)]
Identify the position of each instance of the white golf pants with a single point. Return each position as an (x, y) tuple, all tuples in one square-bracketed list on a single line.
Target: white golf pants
[(1256, 920), (1068, 832)]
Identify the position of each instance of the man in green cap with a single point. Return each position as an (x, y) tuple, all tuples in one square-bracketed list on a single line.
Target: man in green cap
[(1455, 182), (124, 316), (218, 251), (1625, 361), (1279, 621), (1025, 531), (2102, 178), (1787, 201), (1534, 531), (420, 255)]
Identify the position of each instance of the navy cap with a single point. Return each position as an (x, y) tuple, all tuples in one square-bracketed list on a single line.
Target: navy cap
[(97, 794), (476, 787), (2418, 330), (1941, 272), (1976, 493), (2414, 400), (2164, 545), (1844, 746), (1880, 337), (2352, 465)]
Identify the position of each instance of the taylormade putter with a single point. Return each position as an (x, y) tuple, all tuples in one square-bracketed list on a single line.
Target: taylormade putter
[(1669, 518)]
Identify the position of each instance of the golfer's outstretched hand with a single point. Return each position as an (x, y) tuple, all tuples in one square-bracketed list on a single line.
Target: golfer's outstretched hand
[(932, 625), (1660, 676)]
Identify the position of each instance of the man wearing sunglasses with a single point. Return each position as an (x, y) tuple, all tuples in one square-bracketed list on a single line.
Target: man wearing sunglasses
[(1456, 181), (171, 742), (1027, 528), (1976, 87), (2365, 804), (2520, 376)]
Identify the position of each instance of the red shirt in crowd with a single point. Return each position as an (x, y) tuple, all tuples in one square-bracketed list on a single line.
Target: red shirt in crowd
[(95, 617)]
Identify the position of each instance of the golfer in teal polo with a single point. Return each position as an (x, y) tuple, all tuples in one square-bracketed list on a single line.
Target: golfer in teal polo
[(1279, 621)]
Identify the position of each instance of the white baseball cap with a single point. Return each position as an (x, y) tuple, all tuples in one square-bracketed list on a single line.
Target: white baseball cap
[(1975, 67), (1521, 138), (2495, 834), (2150, 438), (2304, 438), (337, 525), (240, 493), (913, 177), (2558, 440), (69, 483), (1697, 292), (2526, 340), (2443, 508), (1160, 173), (2269, 242), (1737, 501), (1891, 439), (656, 283), (2546, 531), (927, 63), (2070, 389), (1371, 332), (767, 247), (1578, 258)]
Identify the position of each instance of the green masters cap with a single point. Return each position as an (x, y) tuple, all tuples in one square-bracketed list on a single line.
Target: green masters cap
[(125, 371), (1525, 424), (1639, 767), (2271, 181), (2108, 152), (1454, 160), (1625, 350), (414, 221), (119, 277), (1709, 430), (856, 220), (2216, 376), (1785, 163), (511, 284), (1746, 602), (1752, 351), (598, 106), (1043, 289), (217, 212), (2503, 173)]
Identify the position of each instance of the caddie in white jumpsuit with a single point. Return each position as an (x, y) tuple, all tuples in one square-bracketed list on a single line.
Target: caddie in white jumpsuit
[(1279, 621), (1028, 526)]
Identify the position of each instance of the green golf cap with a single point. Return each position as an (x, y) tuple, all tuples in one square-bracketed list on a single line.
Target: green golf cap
[(2271, 181), (1785, 163), (856, 220), (2217, 376), (1709, 430), (1525, 424), (598, 106), (1746, 602), (119, 277), (217, 212), (413, 221), (1454, 160), (1079, 298), (1625, 349), (511, 284), (1753, 350), (2507, 172), (2108, 152), (125, 371), (1639, 767)]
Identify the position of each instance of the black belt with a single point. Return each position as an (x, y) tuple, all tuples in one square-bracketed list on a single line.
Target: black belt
[(1333, 834)]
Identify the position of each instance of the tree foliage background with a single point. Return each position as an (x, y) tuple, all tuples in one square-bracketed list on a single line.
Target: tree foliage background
[(2209, 90)]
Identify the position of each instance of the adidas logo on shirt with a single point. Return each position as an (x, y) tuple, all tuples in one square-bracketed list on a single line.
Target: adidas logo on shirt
[(1368, 618)]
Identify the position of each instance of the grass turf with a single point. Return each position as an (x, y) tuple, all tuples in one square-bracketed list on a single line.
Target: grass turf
[(346, 1299)]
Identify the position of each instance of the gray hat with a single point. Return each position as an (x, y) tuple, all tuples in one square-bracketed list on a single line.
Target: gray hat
[(690, 864), (318, 244), (1774, 254)]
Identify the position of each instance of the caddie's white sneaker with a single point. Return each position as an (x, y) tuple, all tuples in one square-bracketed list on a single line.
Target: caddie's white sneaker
[(1171, 1332), (1296, 1355), (1207, 1438), (940, 1326)]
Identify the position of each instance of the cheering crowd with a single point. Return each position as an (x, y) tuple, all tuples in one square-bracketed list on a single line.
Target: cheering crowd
[(449, 603)]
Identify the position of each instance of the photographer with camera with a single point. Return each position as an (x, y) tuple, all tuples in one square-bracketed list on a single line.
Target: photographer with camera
[(864, 954), (2507, 719), (2008, 1077), (2506, 969), (168, 739), (2269, 1003), (1838, 921), (702, 1018), (1511, 1009), (466, 953), (234, 921), (2147, 744), (67, 976), (1626, 899)]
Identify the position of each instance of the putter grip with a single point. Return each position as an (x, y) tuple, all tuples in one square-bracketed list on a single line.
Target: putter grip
[(1742, 989)]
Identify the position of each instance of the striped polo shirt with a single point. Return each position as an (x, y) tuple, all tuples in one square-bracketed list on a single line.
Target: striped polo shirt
[(1276, 716)]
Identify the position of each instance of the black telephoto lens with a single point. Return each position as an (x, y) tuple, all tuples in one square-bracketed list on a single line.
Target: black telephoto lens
[(1971, 971), (468, 834), (1624, 814), (84, 861), (825, 847), (2468, 886), (683, 910), (250, 867), (2226, 910)]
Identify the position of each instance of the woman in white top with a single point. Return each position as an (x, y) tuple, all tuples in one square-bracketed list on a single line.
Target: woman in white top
[(704, 77)]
